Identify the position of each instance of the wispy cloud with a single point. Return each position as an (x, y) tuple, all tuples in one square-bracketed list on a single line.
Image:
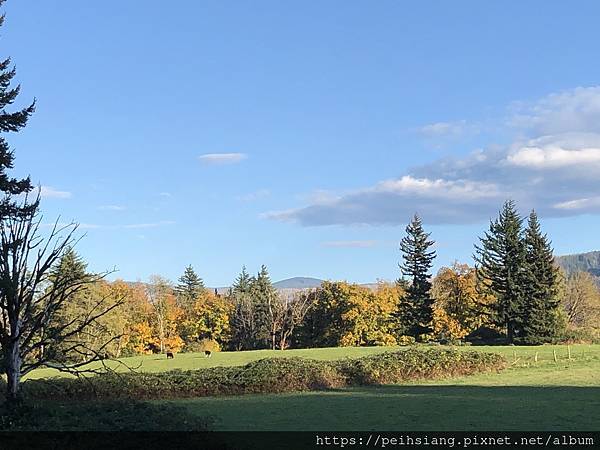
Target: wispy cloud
[(349, 244), (222, 158), (162, 223), (552, 165), (253, 196), (93, 226), (165, 194), (50, 192), (445, 129), (111, 208)]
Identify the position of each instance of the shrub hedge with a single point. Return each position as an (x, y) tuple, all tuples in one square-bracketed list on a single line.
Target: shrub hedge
[(270, 375)]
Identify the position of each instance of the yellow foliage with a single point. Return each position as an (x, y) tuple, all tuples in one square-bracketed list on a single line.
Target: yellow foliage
[(459, 304), (357, 315), (212, 317)]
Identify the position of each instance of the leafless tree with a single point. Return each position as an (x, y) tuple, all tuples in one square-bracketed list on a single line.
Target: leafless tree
[(157, 291), (29, 302), (285, 314), (582, 300)]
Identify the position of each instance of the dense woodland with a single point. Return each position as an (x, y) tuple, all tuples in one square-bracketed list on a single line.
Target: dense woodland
[(482, 304)]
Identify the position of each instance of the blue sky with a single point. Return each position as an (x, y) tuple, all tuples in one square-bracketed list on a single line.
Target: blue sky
[(303, 135)]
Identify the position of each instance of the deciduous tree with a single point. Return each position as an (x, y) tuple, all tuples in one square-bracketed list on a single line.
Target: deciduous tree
[(582, 301), (29, 302), (459, 304)]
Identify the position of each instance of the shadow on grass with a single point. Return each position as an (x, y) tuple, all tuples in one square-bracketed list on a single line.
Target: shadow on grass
[(103, 416), (389, 408)]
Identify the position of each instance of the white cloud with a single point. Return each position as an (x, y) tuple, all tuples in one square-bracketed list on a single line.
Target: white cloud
[(439, 188), (554, 157), (552, 165), (575, 110), (579, 204), (50, 192), (222, 158), (165, 194)]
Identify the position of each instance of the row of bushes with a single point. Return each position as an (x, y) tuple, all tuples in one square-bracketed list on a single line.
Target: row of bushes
[(271, 375)]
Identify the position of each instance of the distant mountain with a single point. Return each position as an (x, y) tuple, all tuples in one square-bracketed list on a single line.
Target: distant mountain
[(581, 262), (298, 283), (288, 286)]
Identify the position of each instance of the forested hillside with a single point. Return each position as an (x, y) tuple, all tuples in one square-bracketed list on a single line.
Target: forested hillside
[(581, 262)]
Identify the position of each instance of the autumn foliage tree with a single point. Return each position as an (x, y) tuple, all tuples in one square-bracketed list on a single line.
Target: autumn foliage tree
[(211, 318), (459, 305), (344, 314), (165, 314)]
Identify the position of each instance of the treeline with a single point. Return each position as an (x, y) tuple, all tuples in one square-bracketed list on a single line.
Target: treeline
[(515, 294)]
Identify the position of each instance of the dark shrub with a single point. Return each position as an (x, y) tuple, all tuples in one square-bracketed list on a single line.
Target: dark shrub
[(414, 364), (271, 375), (486, 336)]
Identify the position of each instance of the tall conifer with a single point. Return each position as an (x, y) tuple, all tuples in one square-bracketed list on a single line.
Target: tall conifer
[(542, 321), (501, 265), (415, 308), (189, 289), (263, 294), (11, 122), (243, 323)]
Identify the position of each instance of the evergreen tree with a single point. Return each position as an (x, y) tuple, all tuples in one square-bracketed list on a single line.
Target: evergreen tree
[(70, 267), (415, 308), (263, 295), (189, 289), (542, 321), (11, 122), (501, 260), (243, 282), (242, 317)]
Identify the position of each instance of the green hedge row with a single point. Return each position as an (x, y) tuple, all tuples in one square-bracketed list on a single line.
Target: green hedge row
[(271, 375)]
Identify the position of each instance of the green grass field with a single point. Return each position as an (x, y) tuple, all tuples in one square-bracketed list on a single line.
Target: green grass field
[(529, 395), (192, 361)]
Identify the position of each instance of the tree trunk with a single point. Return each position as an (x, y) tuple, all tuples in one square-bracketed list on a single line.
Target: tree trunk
[(12, 361), (510, 331)]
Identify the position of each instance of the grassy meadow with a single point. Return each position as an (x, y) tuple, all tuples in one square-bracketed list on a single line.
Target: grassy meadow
[(547, 394)]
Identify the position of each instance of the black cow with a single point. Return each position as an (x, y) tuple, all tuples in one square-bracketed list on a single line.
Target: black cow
[(170, 355), (207, 353)]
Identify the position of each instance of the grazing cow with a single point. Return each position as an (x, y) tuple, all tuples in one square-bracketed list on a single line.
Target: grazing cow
[(207, 353), (170, 355)]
